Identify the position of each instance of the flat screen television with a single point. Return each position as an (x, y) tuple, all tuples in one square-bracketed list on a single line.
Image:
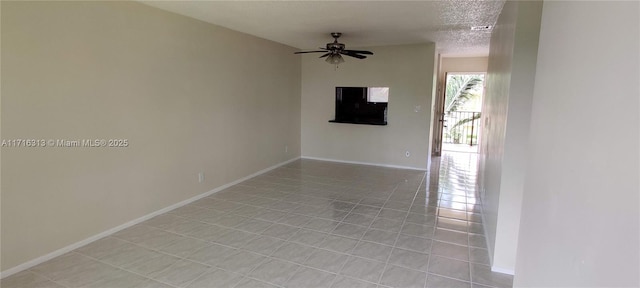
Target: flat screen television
[(362, 105)]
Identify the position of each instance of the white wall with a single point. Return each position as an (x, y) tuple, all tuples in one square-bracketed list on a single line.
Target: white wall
[(463, 64), (506, 115), (580, 213), (189, 97), (409, 72)]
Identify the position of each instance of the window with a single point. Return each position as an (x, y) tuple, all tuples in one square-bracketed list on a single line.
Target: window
[(378, 94)]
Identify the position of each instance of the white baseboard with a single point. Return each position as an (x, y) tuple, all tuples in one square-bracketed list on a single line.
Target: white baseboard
[(484, 224), (503, 270), (61, 251), (364, 163), (489, 248)]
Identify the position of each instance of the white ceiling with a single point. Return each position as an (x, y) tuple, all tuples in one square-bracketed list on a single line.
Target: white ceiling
[(307, 24)]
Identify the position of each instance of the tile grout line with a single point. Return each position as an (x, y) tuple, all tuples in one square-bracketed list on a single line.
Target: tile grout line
[(468, 247), (342, 222), (267, 257), (273, 223), (404, 221), (369, 227), (435, 224), (181, 258), (285, 241), (354, 247), (45, 277), (120, 268), (362, 236)]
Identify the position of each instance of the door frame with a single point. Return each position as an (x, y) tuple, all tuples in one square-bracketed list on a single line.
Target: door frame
[(438, 123)]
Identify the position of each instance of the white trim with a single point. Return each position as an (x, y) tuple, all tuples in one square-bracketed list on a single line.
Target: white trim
[(489, 248), (364, 163), (503, 270), (61, 251), (484, 224)]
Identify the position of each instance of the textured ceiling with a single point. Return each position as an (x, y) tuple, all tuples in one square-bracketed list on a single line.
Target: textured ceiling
[(307, 24)]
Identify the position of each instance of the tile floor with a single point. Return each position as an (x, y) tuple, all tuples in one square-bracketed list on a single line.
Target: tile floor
[(306, 224)]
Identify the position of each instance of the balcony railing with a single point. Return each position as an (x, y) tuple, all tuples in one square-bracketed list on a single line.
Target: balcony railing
[(461, 127)]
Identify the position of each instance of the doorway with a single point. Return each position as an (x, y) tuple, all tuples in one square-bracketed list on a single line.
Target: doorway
[(461, 111)]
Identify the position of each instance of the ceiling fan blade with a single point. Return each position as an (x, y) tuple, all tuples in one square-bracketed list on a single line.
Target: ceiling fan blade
[(360, 52), (353, 55), (301, 52), (334, 51)]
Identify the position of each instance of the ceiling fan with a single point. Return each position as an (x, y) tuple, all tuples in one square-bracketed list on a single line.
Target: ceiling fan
[(335, 50)]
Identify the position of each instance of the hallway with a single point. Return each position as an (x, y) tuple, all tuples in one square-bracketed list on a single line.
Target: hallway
[(306, 224), (458, 233)]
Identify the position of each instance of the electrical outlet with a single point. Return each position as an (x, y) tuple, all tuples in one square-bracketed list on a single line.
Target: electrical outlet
[(200, 177)]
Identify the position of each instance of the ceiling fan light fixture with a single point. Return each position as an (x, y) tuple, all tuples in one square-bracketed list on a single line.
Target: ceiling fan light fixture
[(334, 59)]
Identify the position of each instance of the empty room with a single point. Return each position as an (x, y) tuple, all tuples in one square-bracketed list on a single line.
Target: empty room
[(319, 144)]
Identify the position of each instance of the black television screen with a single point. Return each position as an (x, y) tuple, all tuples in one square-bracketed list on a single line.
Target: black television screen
[(361, 105)]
